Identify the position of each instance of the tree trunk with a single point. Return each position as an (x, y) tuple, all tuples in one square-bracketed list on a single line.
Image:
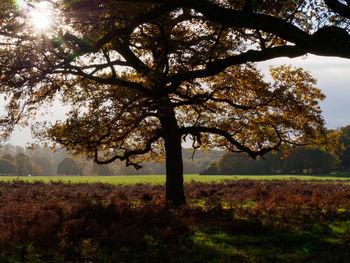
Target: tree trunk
[(174, 165)]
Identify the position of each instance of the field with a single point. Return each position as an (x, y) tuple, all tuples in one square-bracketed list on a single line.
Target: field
[(239, 220), (160, 179)]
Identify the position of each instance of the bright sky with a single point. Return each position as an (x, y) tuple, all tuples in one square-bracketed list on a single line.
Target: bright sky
[(333, 78), (333, 75), (41, 16)]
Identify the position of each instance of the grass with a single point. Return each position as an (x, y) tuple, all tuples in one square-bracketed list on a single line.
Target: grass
[(100, 231), (160, 179)]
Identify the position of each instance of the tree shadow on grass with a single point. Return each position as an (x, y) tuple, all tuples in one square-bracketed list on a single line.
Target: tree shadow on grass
[(273, 246)]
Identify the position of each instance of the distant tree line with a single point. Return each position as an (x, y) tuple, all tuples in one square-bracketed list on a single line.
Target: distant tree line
[(42, 161), (302, 160)]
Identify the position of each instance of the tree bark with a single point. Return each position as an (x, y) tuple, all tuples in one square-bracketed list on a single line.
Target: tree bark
[(174, 165)]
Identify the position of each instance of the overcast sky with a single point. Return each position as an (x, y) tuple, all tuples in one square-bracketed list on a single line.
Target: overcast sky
[(333, 75)]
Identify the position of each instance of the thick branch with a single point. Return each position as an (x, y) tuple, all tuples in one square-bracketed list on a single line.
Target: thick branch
[(202, 98), (128, 154), (123, 48), (196, 130), (245, 19), (107, 81), (279, 27), (131, 27), (219, 65), (338, 7), (106, 65)]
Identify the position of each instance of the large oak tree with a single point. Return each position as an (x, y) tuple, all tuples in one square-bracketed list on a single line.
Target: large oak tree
[(141, 76)]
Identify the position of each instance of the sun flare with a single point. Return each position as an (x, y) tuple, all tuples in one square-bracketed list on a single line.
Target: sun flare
[(40, 20), (40, 16)]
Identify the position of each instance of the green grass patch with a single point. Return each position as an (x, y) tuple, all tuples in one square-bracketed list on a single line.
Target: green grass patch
[(289, 246), (160, 179)]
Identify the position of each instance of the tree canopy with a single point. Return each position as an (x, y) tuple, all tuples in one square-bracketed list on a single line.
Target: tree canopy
[(143, 75), (23, 165), (67, 167), (7, 167)]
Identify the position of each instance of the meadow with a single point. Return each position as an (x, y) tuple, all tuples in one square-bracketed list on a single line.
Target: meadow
[(240, 220), (160, 179)]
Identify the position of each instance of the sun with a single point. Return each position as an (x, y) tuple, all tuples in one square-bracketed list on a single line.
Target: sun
[(39, 20), (40, 16)]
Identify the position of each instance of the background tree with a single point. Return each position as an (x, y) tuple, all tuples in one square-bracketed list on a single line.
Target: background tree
[(8, 157), (7, 167), (211, 169), (299, 161), (102, 170), (23, 164), (142, 75), (311, 160), (85, 166), (8, 163), (36, 169), (44, 164), (237, 164), (130, 170), (7, 149), (68, 167), (345, 154)]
